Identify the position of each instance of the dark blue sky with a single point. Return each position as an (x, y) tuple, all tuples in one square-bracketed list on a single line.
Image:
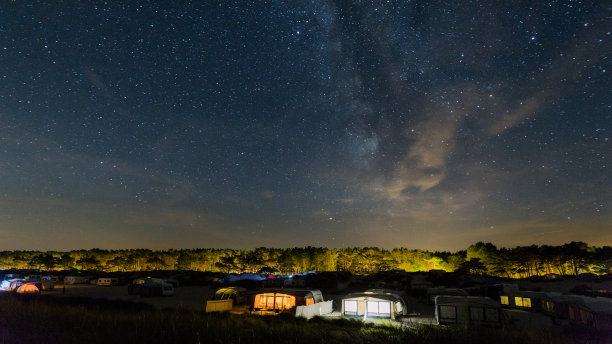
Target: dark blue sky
[(241, 124)]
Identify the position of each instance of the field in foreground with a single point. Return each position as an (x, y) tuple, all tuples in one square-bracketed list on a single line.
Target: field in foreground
[(44, 319)]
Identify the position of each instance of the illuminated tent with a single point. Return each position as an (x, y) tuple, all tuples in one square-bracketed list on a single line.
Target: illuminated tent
[(279, 300), (28, 288), (237, 294), (467, 310), (15, 284), (10, 285), (373, 303)]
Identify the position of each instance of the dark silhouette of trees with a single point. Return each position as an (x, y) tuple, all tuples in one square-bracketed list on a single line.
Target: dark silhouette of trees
[(473, 267)]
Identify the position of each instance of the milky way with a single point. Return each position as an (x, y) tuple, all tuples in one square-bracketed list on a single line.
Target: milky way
[(242, 124)]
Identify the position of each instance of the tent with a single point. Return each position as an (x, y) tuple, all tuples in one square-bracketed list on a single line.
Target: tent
[(15, 284), (28, 288), (467, 310), (278, 300), (373, 303), (237, 294)]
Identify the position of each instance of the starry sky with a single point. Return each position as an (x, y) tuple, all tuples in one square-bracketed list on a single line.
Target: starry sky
[(239, 124)]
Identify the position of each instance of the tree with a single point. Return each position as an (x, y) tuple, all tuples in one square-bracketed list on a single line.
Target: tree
[(66, 261), (156, 263), (89, 263), (46, 261), (473, 267), (117, 264), (185, 261), (485, 252)]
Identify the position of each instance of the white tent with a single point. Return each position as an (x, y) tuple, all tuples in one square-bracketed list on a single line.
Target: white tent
[(373, 303)]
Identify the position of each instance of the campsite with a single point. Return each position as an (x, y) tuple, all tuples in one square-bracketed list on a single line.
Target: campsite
[(403, 308)]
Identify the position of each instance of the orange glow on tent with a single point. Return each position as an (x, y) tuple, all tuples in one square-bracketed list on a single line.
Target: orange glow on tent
[(274, 301)]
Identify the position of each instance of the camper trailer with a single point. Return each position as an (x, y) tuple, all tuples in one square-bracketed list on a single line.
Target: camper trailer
[(76, 280), (591, 312), (108, 281), (374, 303), (150, 287), (281, 300), (433, 292), (526, 300), (467, 310)]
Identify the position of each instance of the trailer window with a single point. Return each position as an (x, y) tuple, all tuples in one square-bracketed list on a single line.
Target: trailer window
[(503, 300), (548, 306), (491, 315), (522, 302), (384, 307), (372, 307), (477, 313), (350, 306), (447, 313)]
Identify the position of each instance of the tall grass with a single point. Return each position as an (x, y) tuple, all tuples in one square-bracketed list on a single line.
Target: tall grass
[(43, 319)]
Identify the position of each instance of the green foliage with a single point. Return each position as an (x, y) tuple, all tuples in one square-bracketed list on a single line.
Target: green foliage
[(479, 258)]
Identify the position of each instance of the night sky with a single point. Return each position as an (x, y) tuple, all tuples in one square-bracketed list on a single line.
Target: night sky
[(420, 124)]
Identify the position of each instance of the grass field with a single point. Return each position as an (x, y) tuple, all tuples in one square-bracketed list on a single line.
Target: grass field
[(46, 319)]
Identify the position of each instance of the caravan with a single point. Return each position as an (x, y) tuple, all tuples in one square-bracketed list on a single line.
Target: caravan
[(108, 281), (467, 310), (373, 303)]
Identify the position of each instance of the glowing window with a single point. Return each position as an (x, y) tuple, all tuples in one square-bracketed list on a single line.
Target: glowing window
[(503, 300), (270, 301), (526, 302), (522, 302), (350, 306), (384, 307), (372, 306)]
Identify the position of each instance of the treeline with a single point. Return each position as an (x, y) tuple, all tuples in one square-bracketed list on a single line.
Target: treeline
[(481, 258)]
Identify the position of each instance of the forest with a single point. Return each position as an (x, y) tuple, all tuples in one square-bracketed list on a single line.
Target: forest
[(480, 258)]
